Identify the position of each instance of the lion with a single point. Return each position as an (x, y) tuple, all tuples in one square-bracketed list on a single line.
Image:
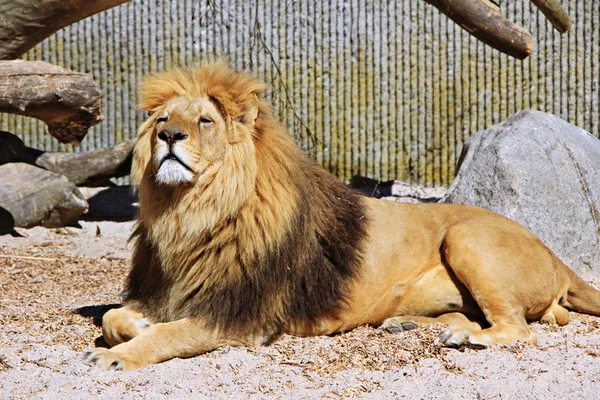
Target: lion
[(241, 238)]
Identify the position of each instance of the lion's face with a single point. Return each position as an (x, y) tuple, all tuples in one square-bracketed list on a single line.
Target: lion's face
[(189, 139)]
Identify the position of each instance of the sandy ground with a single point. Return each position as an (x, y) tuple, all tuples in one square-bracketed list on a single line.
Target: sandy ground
[(55, 284)]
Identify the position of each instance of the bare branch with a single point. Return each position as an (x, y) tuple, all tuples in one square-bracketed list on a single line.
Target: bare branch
[(555, 14), (482, 19), (25, 23)]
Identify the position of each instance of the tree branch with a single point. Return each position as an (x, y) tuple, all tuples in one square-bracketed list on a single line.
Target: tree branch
[(555, 14), (25, 23), (482, 19)]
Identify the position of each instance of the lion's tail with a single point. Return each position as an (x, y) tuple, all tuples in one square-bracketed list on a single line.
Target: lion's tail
[(581, 296)]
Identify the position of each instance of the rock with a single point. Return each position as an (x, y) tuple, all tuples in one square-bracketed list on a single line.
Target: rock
[(33, 196), (542, 172), (398, 191)]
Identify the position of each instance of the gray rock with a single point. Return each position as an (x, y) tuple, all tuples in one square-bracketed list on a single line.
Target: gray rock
[(542, 172), (398, 191), (31, 196)]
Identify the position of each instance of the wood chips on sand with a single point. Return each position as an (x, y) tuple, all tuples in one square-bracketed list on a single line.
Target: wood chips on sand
[(41, 288)]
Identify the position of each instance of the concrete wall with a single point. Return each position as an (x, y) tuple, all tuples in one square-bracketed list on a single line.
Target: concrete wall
[(387, 89)]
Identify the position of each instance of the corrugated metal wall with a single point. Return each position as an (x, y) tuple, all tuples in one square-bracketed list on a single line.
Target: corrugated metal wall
[(387, 89)]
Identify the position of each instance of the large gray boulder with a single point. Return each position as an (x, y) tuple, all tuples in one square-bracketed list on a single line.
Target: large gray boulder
[(542, 172)]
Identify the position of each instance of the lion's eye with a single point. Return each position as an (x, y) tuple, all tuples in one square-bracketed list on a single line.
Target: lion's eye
[(161, 119), (205, 120)]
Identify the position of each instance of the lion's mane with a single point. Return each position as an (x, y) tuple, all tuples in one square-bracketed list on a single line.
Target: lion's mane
[(271, 238)]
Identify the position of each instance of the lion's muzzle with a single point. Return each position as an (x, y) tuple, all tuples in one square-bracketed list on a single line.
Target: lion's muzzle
[(171, 162), (172, 136)]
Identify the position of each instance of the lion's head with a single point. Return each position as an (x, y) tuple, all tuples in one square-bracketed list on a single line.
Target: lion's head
[(209, 146), (196, 116)]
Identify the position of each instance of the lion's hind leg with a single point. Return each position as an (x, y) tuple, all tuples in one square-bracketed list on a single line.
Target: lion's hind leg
[(511, 277), (120, 325)]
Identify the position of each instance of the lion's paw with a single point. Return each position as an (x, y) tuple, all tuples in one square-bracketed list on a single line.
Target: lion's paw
[(104, 359), (395, 325), (458, 338)]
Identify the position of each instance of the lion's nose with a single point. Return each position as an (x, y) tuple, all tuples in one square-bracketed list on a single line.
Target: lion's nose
[(172, 136)]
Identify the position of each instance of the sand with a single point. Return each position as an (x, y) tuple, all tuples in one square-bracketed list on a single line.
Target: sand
[(55, 283)]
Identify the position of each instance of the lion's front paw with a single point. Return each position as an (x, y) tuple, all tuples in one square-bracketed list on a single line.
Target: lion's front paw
[(105, 359)]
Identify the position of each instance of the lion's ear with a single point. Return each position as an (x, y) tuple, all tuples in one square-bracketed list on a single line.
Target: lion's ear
[(249, 117), (250, 112), (243, 125)]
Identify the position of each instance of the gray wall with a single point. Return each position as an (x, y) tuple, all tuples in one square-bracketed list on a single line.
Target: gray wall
[(387, 89)]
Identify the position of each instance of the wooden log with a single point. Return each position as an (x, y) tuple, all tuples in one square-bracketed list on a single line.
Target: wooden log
[(555, 14), (482, 19), (25, 23), (67, 101), (93, 168), (33, 196)]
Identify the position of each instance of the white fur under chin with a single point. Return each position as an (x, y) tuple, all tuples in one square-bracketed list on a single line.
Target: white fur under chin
[(172, 173)]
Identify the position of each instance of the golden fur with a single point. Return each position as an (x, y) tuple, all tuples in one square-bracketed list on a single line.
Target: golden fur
[(241, 238)]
